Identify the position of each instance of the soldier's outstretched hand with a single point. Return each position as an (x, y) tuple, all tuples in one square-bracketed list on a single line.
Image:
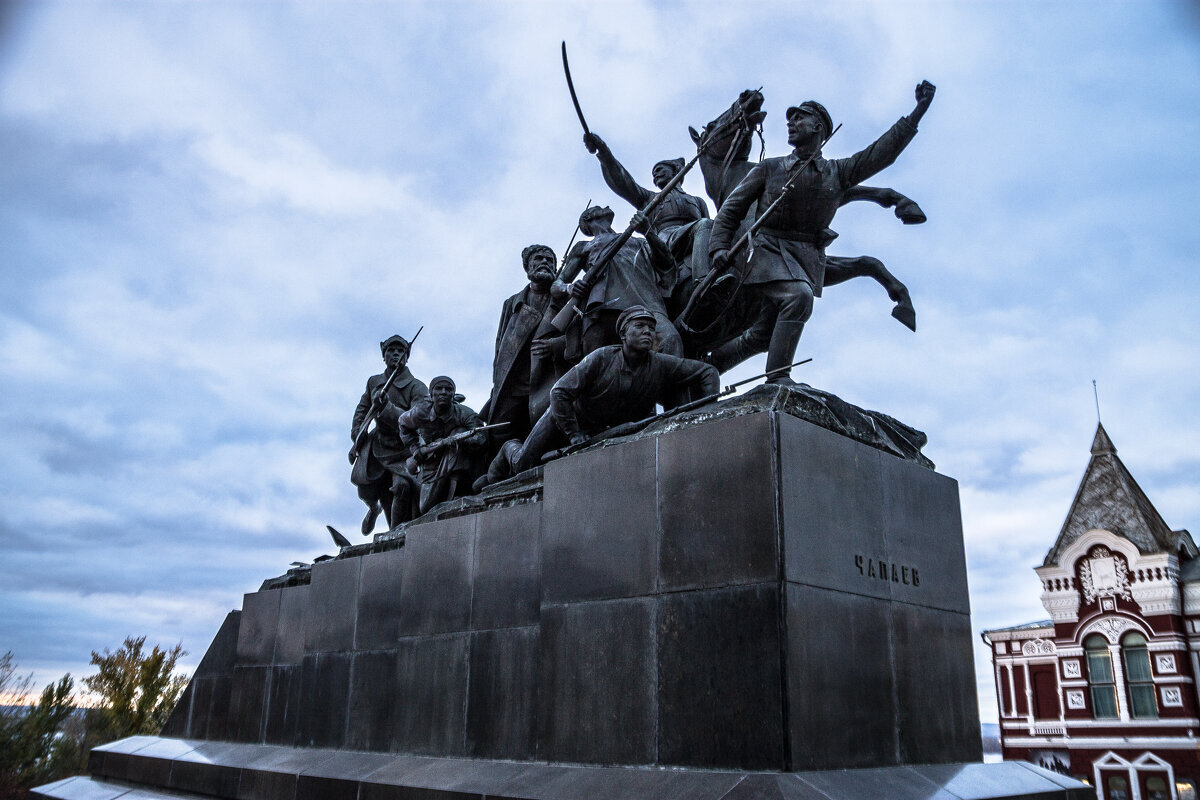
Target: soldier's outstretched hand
[(925, 91), (593, 142)]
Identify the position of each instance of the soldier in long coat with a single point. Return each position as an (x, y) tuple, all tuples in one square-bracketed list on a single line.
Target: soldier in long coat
[(528, 360), (379, 473), (787, 266)]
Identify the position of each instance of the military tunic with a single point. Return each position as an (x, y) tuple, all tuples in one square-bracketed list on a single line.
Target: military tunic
[(791, 244), (605, 390)]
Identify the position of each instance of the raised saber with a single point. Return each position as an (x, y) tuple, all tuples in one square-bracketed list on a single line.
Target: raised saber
[(571, 86)]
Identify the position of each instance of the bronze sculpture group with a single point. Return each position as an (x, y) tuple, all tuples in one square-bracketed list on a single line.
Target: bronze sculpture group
[(629, 321)]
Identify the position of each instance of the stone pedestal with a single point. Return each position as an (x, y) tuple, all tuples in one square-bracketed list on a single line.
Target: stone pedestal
[(749, 596)]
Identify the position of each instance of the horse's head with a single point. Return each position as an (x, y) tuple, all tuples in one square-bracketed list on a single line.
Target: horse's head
[(733, 128)]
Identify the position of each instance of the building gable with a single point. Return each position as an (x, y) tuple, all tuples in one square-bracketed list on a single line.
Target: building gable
[(1110, 499)]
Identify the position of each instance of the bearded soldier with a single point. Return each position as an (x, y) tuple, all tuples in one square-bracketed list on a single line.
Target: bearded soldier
[(528, 359), (379, 471)]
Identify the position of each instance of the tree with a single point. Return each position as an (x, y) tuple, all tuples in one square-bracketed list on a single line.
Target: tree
[(32, 751), (135, 691)]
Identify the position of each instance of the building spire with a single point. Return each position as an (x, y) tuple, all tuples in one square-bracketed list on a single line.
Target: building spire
[(1101, 444)]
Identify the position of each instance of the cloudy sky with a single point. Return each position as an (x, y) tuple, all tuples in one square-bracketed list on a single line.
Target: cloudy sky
[(211, 213)]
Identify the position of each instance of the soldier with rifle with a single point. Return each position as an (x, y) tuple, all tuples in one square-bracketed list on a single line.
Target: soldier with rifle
[(671, 227), (787, 266), (378, 455), (629, 428), (616, 275), (445, 462), (612, 385)]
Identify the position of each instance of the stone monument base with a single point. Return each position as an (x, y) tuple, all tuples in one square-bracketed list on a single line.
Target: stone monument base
[(765, 598), (151, 768)]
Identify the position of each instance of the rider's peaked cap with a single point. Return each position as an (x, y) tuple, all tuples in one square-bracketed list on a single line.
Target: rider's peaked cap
[(813, 107), (675, 164), (400, 340), (630, 314)]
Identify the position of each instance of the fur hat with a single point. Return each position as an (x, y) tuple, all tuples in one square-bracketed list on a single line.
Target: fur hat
[(533, 249)]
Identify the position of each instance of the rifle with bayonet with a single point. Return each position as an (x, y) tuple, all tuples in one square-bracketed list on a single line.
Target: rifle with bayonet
[(377, 405), (627, 428), (452, 440), (563, 318), (745, 239), (570, 244), (596, 271)]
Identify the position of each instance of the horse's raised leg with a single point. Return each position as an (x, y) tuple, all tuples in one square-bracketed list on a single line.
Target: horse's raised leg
[(838, 270), (907, 210)]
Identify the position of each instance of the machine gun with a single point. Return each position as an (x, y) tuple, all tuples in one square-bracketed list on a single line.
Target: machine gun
[(627, 428)]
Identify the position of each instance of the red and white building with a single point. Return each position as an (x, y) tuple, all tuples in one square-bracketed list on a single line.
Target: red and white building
[(1106, 689)]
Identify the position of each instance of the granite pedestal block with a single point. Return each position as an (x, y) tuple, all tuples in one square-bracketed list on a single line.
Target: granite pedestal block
[(749, 594)]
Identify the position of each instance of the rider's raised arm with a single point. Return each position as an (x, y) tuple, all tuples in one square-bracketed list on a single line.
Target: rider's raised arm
[(883, 151), (616, 176)]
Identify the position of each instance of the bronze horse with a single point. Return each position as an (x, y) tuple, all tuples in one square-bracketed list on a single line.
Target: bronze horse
[(725, 146)]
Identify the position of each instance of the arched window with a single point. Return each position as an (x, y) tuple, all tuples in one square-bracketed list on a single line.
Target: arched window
[(1118, 788), (1142, 703), (1156, 789), (1100, 677)]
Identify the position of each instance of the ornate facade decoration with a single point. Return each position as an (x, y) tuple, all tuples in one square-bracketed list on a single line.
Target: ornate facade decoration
[(1038, 647), (1110, 627), (1103, 573)]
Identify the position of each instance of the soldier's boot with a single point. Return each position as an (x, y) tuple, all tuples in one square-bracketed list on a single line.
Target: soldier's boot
[(368, 523), (732, 353), (502, 466), (782, 352)]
